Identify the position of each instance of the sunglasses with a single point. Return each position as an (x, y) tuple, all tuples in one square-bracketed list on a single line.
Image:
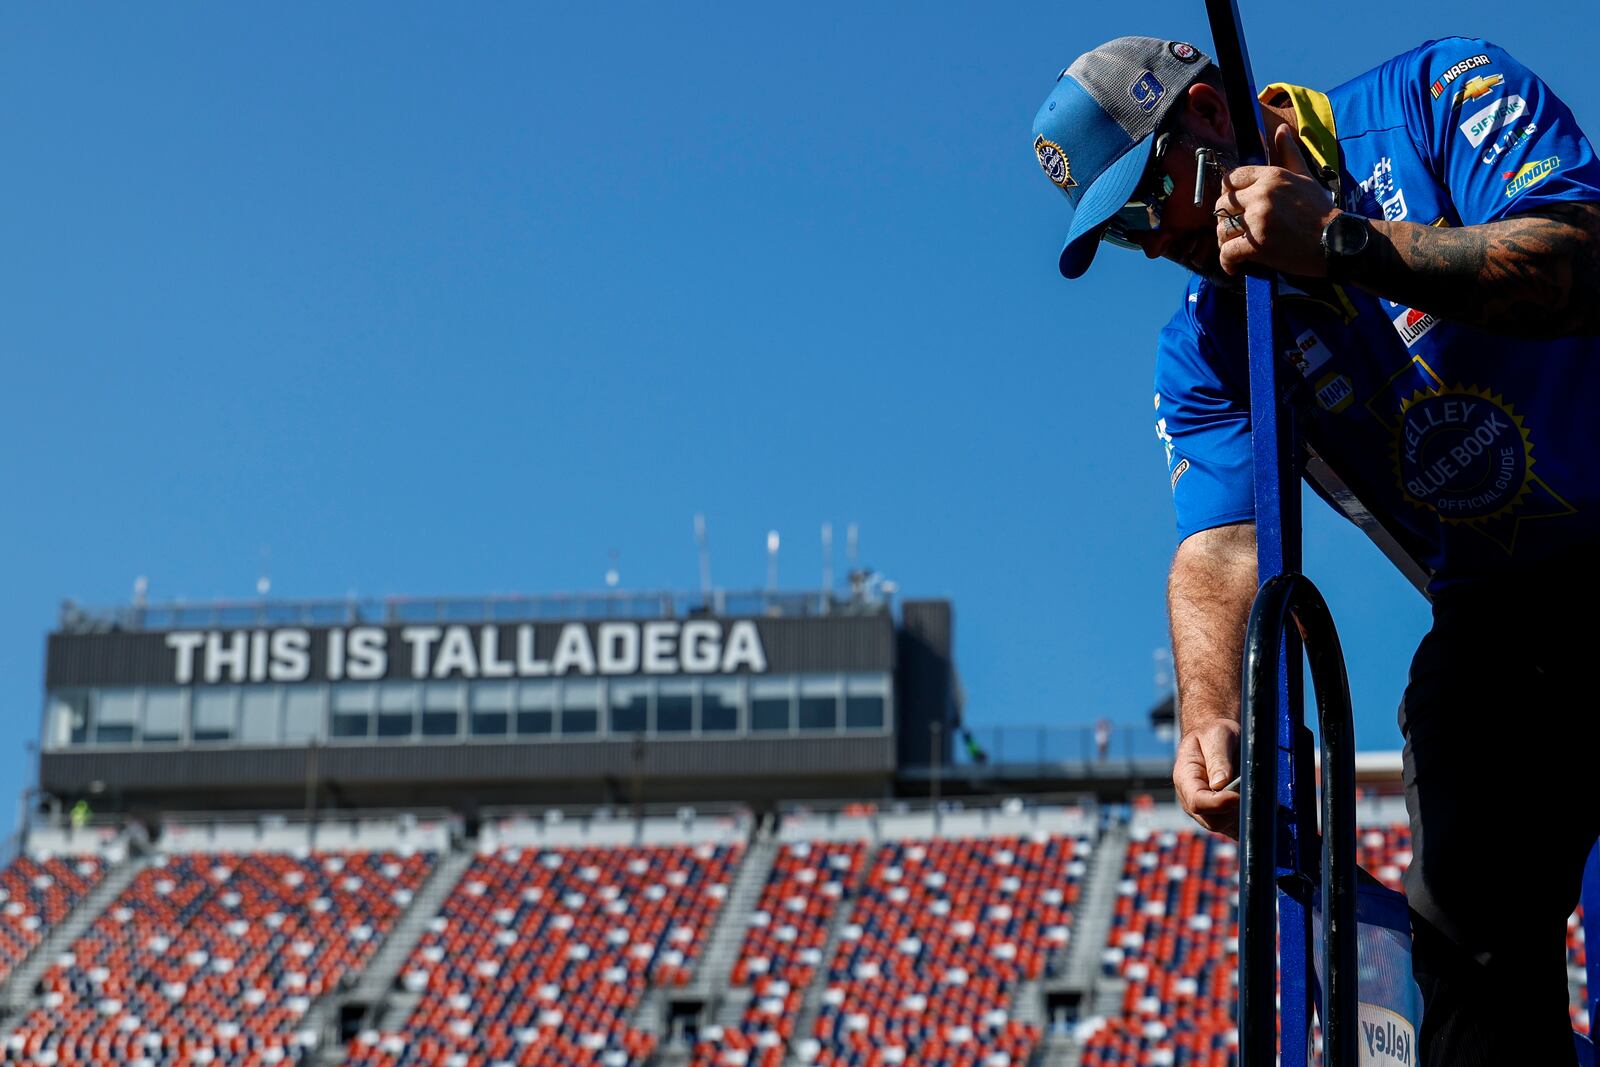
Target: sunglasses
[(1142, 214)]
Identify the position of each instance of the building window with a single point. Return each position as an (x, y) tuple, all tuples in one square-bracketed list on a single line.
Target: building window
[(397, 710), (69, 720), (866, 701), (719, 706), (819, 704), (491, 709), (630, 708), (771, 705), (580, 708), (258, 716), (441, 709), (163, 717), (353, 706), (675, 707), (115, 715), (214, 714), (303, 713), (536, 709)]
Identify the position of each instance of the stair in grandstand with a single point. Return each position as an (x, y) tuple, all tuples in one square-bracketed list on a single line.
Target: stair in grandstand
[(811, 1005), (376, 994), (22, 988), (1082, 967), (710, 986), (1079, 980)]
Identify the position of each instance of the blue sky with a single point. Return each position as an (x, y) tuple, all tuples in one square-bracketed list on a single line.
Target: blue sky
[(430, 300)]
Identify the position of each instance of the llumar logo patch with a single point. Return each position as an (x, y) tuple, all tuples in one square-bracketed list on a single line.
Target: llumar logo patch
[(1054, 161), (1463, 454)]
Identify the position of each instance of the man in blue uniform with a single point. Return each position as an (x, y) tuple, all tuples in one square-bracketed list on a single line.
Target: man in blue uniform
[(1436, 224)]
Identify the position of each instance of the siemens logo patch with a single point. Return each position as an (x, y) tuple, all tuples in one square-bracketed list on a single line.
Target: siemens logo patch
[(1531, 174), (1437, 88), (1502, 112)]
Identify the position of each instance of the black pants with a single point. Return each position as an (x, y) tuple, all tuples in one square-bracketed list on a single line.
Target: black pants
[(1501, 742)]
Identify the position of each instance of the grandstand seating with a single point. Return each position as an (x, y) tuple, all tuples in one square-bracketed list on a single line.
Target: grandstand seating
[(941, 936), (541, 955), (1174, 938), (783, 948), (214, 958), (37, 893)]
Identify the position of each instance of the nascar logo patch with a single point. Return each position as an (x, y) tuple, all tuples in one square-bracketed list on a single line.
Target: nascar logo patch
[(1438, 87)]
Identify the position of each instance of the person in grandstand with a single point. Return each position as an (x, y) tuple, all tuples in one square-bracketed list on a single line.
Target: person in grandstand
[(1435, 224)]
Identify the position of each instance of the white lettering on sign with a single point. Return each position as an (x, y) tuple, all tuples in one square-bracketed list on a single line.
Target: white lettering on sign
[(361, 653)]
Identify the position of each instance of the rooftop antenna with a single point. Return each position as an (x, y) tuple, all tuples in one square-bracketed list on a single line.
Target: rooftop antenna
[(264, 583), (705, 556), (612, 575), (852, 545), (772, 561), (141, 591), (827, 557)]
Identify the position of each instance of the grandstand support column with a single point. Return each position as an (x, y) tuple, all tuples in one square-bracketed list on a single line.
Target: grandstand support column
[(19, 992)]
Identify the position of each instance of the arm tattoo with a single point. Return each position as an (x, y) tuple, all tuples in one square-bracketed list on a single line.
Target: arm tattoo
[(1533, 275)]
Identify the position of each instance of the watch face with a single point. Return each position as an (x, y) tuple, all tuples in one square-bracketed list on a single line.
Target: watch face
[(1347, 235)]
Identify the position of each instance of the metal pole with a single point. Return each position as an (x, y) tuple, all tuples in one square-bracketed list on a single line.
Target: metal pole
[(935, 731)]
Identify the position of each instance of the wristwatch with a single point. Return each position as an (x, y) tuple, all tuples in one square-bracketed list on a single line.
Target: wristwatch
[(1346, 240)]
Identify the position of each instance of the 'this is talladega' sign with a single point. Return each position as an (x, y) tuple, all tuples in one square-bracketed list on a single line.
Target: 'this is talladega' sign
[(370, 653)]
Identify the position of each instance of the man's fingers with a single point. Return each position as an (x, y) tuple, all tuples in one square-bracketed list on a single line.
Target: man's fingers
[(1243, 178), (1287, 154), (1220, 748)]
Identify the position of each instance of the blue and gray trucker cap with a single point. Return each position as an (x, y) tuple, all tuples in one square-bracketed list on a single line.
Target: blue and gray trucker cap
[(1094, 133)]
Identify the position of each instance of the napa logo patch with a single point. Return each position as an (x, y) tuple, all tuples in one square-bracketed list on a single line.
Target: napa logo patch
[(1438, 87), (1502, 112), (1054, 161), (1530, 174), (1147, 91), (1334, 393), (1183, 53)]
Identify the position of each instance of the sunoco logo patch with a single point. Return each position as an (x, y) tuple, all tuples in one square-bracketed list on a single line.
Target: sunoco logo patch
[(1530, 174), (1054, 161)]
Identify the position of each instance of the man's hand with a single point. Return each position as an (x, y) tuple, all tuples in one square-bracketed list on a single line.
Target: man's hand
[(1273, 216), (1208, 759)]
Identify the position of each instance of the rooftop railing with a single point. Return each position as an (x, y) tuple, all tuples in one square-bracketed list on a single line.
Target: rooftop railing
[(379, 611)]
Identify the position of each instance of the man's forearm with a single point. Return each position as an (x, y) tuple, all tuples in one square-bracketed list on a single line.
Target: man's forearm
[(1533, 275), (1209, 593)]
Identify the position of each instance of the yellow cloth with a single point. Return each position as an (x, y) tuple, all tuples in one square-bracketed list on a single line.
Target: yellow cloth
[(1313, 117)]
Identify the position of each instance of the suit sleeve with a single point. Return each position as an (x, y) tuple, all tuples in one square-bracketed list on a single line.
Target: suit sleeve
[(1496, 136), (1204, 425)]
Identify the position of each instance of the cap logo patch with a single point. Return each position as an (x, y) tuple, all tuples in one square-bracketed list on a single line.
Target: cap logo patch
[(1146, 91), (1054, 161), (1183, 53)]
